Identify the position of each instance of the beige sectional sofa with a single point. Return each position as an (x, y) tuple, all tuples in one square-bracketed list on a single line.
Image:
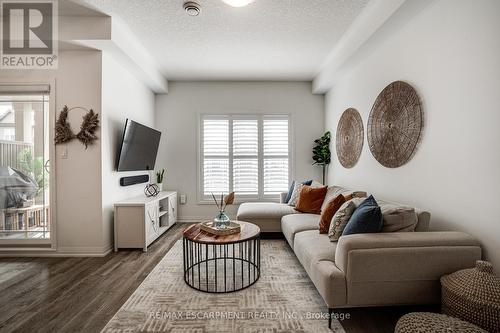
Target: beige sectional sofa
[(388, 268)]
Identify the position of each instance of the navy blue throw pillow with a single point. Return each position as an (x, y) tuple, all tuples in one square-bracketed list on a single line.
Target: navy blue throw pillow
[(289, 194), (367, 218)]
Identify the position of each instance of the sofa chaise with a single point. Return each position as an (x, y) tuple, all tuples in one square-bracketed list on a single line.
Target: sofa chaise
[(378, 269)]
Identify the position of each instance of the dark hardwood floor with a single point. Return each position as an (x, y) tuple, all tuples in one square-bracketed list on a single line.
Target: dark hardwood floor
[(73, 294), (82, 294)]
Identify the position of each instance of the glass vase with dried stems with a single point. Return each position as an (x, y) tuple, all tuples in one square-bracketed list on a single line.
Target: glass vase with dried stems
[(221, 220)]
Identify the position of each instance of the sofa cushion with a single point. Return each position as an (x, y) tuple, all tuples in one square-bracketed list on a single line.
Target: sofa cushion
[(423, 220), (311, 199), (267, 215), (316, 184), (367, 218), (267, 210), (333, 191), (292, 224), (397, 218), (327, 213), (292, 186), (340, 219), (295, 194), (423, 217), (310, 247)]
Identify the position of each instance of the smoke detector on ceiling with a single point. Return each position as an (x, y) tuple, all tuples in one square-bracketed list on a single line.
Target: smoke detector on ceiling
[(192, 8)]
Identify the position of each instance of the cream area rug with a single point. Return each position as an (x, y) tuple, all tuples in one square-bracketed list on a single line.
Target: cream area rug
[(282, 300)]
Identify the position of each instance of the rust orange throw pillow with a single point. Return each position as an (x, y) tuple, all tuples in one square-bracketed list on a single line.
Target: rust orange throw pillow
[(311, 199), (327, 214)]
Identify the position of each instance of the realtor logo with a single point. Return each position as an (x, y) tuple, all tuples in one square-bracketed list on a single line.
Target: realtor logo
[(29, 34)]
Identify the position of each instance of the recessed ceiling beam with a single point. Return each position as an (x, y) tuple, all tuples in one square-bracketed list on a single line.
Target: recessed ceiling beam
[(111, 35), (379, 20)]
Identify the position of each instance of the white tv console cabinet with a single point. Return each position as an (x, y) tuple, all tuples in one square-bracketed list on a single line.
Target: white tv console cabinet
[(140, 221)]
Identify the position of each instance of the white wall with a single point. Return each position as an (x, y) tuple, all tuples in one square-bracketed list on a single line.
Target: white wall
[(87, 183), (78, 178), (177, 117), (123, 96), (450, 53)]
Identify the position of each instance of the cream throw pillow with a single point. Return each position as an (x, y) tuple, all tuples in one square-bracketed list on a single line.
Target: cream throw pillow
[(331, 193), (295, 194), (316, 184), (398, 218), (340, 219)]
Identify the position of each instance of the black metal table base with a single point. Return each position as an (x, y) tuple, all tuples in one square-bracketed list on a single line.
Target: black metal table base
[(221, 268)]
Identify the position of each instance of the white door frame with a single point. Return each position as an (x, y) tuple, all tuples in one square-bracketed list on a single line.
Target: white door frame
[(9, 245)]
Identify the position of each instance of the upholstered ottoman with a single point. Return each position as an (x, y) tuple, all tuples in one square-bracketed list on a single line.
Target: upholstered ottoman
[(426, 322)]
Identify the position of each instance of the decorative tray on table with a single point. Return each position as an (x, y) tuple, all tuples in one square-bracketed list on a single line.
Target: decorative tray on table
[(209, 227)]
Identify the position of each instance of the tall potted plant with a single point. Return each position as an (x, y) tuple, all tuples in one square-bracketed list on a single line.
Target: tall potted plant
[(321, 153)]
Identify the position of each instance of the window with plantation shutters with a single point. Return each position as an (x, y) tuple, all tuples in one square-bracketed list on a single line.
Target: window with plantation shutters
[(245, 154)]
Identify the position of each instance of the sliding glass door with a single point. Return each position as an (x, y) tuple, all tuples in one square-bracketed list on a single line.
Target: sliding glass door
[(24, 166)]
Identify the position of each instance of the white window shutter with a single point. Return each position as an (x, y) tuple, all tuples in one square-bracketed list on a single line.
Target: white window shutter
[(215, 156), (276, 137), (215, 176), (245, 137), (216, 137), (275, 162), (245, 152), (275, 175), (246, 176)]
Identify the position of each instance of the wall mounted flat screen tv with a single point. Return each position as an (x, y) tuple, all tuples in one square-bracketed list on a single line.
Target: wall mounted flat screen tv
[(138, 148)]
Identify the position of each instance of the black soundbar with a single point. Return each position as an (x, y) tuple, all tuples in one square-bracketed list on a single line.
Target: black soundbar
[(132, 180)]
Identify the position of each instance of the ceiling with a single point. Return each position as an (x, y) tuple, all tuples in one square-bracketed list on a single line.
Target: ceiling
[(69, 8), (267, 40)]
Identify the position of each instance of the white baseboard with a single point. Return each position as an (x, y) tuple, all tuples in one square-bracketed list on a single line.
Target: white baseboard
[(85, 251), (193, 219), (60, 252)]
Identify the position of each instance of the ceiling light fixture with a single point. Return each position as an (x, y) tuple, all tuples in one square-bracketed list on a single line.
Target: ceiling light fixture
[(192, 8), (238, 3)]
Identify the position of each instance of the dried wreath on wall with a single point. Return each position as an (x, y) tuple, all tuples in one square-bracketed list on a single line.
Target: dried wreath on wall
[(63, 129), (63, 132), (88, 128)]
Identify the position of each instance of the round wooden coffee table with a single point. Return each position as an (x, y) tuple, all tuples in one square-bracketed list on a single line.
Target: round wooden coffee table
[(221, 264)]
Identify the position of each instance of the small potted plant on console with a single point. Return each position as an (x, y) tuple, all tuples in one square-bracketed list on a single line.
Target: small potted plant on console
[(159, 179)]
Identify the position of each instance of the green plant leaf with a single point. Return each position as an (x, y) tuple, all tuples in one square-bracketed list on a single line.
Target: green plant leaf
[(321, 151)]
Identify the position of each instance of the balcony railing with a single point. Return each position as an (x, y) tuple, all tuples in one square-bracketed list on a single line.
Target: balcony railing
[(9, 152)]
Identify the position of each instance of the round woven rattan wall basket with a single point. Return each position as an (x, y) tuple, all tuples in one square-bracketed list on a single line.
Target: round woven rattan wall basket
[(349, 138), (395, 125), (473, 295)]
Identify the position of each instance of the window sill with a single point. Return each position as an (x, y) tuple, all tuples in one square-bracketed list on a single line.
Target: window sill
[(238, 202)]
